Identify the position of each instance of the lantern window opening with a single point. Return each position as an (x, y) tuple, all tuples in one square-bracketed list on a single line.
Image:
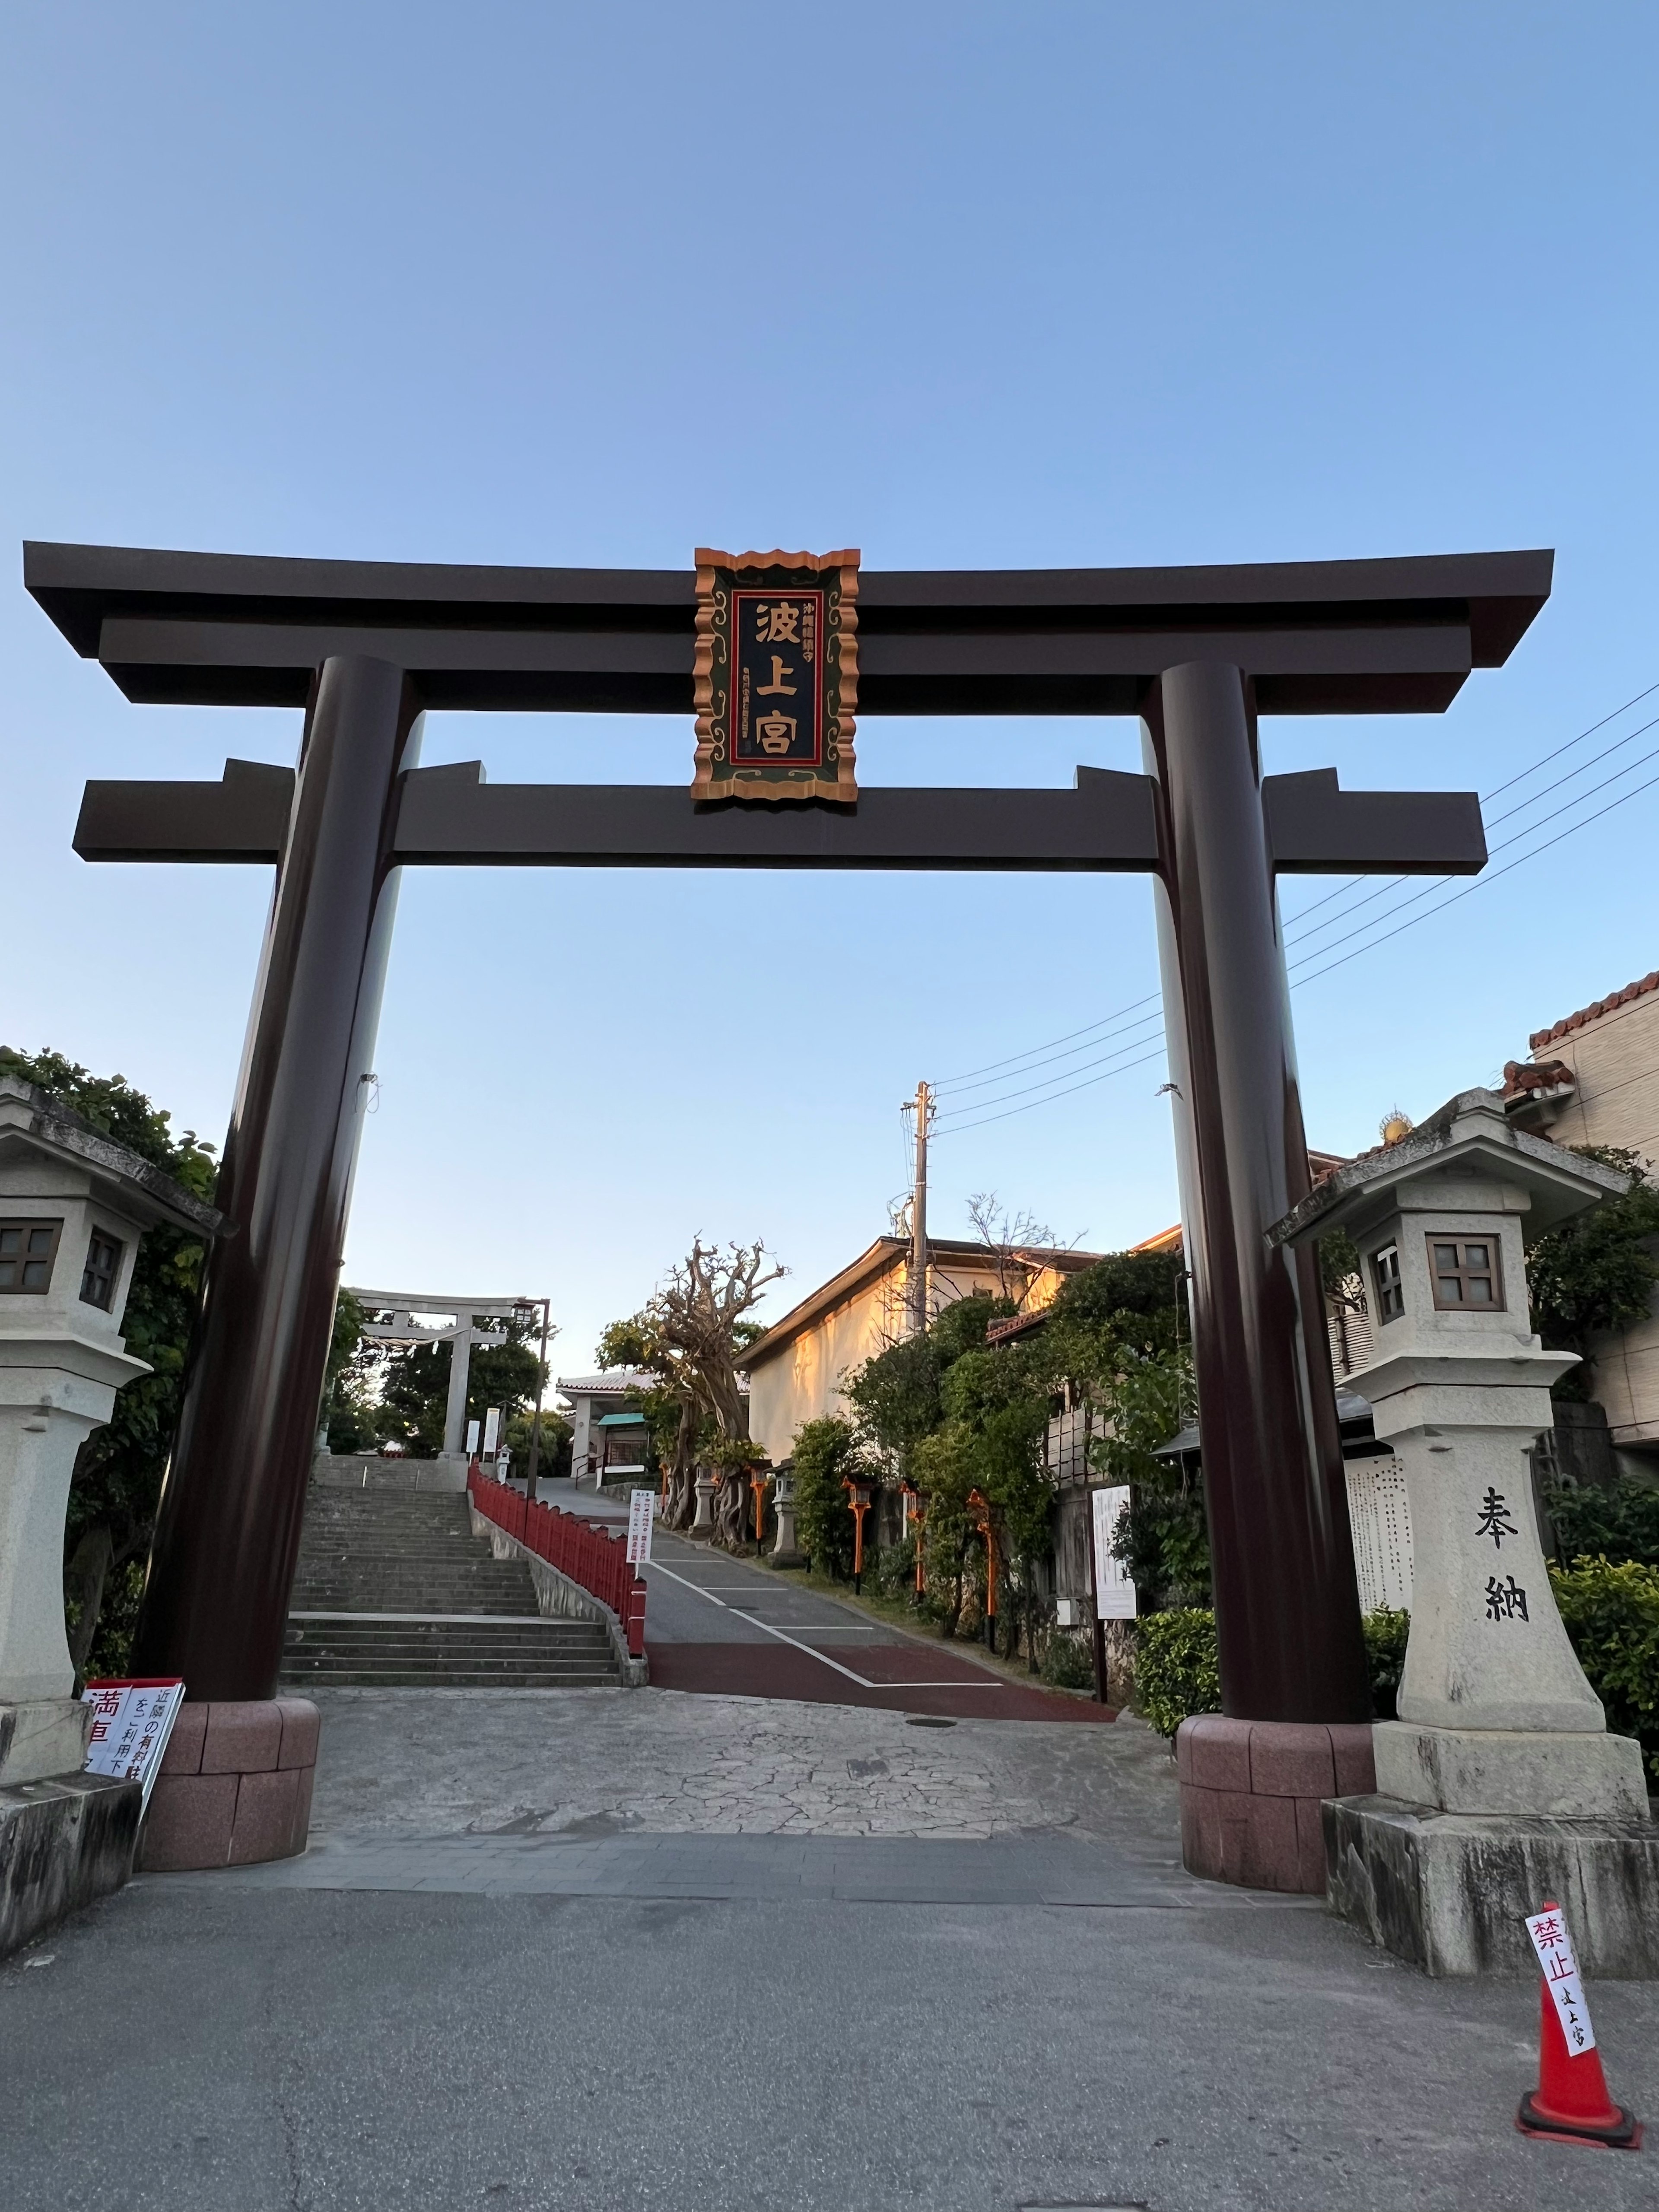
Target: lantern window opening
[(28, 1251), (1385, 1279), (1465, 1273), (98, 1276)]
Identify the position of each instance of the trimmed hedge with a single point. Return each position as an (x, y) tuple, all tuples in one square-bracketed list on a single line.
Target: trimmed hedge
[(1176, 1670), (1611, 1613)]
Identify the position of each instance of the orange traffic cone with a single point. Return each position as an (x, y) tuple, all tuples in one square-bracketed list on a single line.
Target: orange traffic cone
[(1571, 2103)]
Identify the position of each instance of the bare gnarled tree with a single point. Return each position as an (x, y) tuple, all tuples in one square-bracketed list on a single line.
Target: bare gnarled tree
[(691, 1337)]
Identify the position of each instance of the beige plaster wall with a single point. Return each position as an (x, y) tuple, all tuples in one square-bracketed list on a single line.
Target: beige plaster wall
[(1616, 1061), (803, 1381)]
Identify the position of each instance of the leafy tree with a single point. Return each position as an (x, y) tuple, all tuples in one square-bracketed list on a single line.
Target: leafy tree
[(556, 1437), (895, 1395), (1619, 1525), (1596, 1274), (117, 1480), (348, 1415), (1118, 1334), (690, 1338), (827, 1453)]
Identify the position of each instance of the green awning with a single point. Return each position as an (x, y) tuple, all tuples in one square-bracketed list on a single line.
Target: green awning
[(622, 1420)]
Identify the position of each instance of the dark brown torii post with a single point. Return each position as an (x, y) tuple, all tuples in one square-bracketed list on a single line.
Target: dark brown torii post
[(1198, 654)]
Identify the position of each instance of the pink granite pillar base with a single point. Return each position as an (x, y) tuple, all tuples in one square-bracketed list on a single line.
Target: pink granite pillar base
[(235, 1787), (1250, 1794)]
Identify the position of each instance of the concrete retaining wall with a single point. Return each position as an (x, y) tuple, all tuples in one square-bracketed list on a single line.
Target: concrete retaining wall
[(63, 1842), (559, 1598)]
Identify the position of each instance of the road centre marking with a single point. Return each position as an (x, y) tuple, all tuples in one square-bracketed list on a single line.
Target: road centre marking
[(656, 1567)]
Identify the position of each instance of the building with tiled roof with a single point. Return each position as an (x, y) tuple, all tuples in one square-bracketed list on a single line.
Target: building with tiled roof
[(1594, 1079)]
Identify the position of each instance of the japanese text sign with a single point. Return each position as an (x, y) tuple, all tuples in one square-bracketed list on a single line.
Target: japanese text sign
[(1550, 1939), (775, 676), (1114, 1594), (642, 1516), (131, 1723)]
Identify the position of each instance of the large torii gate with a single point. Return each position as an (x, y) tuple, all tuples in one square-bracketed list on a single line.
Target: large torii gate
[(1197, 653)]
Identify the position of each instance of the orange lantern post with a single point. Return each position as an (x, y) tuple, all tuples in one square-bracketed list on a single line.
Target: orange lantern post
[(757, 1482), (858, 1504), (916, 1514), (980, 1506)]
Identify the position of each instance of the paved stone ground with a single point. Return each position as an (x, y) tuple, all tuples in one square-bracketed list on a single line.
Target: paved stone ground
[(439, 1761), (603, 1950)]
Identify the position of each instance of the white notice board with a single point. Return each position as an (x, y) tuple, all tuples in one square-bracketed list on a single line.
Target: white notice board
[(1114, 1594), (641, 1518), (132, 1721)]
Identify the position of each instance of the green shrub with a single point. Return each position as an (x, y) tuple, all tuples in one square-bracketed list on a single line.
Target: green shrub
[(1176, 1670), (825, 1452), (1386, 1631), (1622, 1523), (1612, 1614), (1068, 1662)]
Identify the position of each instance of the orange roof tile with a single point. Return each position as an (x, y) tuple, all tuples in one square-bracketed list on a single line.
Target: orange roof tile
[(1594, 1010)]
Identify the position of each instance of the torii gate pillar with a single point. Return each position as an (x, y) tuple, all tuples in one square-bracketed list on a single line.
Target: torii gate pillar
[(228, 1534), (1287, 1614)]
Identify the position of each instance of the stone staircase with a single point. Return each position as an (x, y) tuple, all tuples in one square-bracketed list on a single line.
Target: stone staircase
[(412, 1598)]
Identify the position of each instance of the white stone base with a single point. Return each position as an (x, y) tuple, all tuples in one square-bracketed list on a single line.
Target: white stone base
[(1450, 1891), (1569, 1776), (45, 1736)]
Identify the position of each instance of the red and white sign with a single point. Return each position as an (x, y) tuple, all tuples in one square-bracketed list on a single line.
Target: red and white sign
[(1550, 1939), (132, 1721), (641, 1519)]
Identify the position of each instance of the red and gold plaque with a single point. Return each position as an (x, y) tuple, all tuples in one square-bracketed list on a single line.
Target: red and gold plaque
[(776, 675)]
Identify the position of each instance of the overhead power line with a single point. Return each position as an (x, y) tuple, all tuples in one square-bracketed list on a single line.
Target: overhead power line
[(1005, 1103)]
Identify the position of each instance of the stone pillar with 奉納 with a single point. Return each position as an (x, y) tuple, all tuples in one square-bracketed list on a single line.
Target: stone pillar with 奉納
[(1498, 1783), (74, 1208), (228, 1535), (1295, 1700)]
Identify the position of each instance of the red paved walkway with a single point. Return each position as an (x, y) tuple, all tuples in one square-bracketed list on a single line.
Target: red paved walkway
[(923, 1679)]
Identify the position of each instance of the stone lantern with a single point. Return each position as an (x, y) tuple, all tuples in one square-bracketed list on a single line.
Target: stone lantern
[(786, 1546), (1498, 1784), (74, 1207)]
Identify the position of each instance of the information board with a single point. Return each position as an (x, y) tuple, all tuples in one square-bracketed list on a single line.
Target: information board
[(132, 1721), (1114, 1594), (641, 1519)]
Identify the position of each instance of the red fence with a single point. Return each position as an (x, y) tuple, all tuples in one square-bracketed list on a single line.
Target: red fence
[(577, 1548)]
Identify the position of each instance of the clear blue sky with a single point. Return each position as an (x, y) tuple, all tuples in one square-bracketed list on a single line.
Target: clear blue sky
[(962, 285)]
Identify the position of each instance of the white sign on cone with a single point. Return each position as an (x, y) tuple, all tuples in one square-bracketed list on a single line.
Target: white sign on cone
[(1550, 1939), (641, 1518), (1114, 1594)]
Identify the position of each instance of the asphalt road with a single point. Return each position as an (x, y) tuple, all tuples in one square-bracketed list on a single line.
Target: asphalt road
[(195, 2047), (719, 1625)]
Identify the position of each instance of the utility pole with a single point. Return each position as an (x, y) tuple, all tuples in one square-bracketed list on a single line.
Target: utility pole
[(918, 1284)]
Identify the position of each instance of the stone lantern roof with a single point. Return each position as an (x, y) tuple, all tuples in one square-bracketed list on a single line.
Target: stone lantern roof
[(32, 1121), (1471, 1132)]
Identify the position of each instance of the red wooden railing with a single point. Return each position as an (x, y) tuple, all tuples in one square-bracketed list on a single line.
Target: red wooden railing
[(577, 1548)]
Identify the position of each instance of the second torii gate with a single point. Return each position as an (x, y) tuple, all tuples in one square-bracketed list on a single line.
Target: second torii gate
[(1196, 653), (391, 1320)]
